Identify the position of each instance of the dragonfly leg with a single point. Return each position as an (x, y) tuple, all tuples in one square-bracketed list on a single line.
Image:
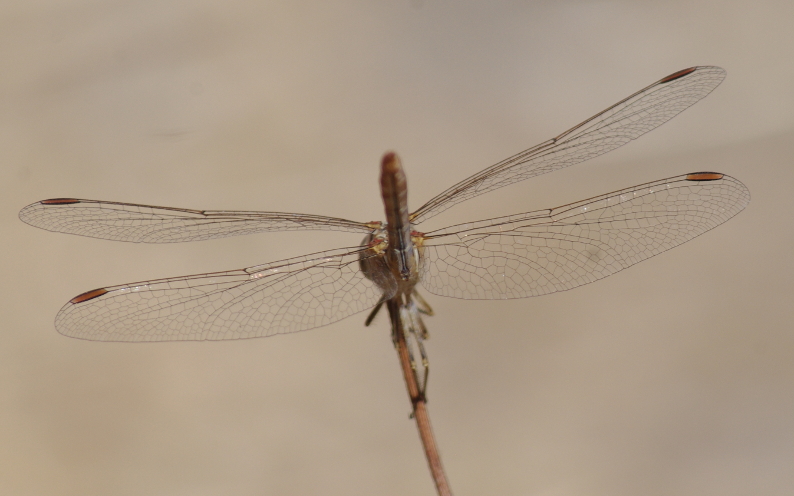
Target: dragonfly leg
[(422, 329), (423, 308), (419, 332), (409, 317), (375, 311), (422, 305), (420, 336)]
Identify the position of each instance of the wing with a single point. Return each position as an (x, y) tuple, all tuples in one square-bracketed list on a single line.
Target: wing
[(628, 119), (149, 224), (287, 296), (542, 252)]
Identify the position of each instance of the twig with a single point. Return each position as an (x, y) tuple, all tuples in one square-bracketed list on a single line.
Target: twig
[(418, 401)]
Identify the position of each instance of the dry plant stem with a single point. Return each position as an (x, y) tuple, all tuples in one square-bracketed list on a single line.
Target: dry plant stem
[(418, 402)]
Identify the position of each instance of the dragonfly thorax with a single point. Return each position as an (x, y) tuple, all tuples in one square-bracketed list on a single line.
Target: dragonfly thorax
[(379, 261)]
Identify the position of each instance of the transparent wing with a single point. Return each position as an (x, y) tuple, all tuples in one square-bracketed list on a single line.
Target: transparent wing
[(542, 252), (628, 119), (286, 296), (149, 224)]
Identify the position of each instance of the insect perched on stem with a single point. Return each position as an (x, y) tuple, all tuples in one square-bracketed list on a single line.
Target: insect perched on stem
[(521, 255)]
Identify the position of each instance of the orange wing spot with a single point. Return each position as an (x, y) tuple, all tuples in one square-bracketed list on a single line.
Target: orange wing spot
[(679, 74), (704, 176), (88, 295), (59, 201)]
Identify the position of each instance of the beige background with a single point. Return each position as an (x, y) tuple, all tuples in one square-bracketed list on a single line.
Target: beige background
[(674, 377)]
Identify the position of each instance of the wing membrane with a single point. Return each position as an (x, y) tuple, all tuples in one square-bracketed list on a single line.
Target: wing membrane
[(149, 224), (542, 252), (614, 127), (287, 296)]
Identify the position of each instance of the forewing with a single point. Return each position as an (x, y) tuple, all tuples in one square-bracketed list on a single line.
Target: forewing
[(149, 224), (628, 119), (542, 252), (287, 296)]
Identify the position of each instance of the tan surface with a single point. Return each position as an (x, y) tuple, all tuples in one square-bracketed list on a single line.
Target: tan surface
[(674, 377)]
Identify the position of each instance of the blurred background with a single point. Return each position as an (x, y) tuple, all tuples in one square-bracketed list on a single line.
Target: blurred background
[(673, 377)]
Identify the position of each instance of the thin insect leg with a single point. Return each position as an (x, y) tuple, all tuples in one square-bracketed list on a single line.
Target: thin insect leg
[(420, 324), (419, 332), (422, 305), (375, 311), (409, 330), (420, 337)]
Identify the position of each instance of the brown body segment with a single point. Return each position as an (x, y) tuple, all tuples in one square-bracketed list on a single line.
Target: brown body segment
[(88, 295), (394, 190), (704, 176), (59, 201), (676, 75)]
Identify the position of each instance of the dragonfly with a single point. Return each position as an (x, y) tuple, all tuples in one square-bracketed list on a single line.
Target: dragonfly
[(515, 256)]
